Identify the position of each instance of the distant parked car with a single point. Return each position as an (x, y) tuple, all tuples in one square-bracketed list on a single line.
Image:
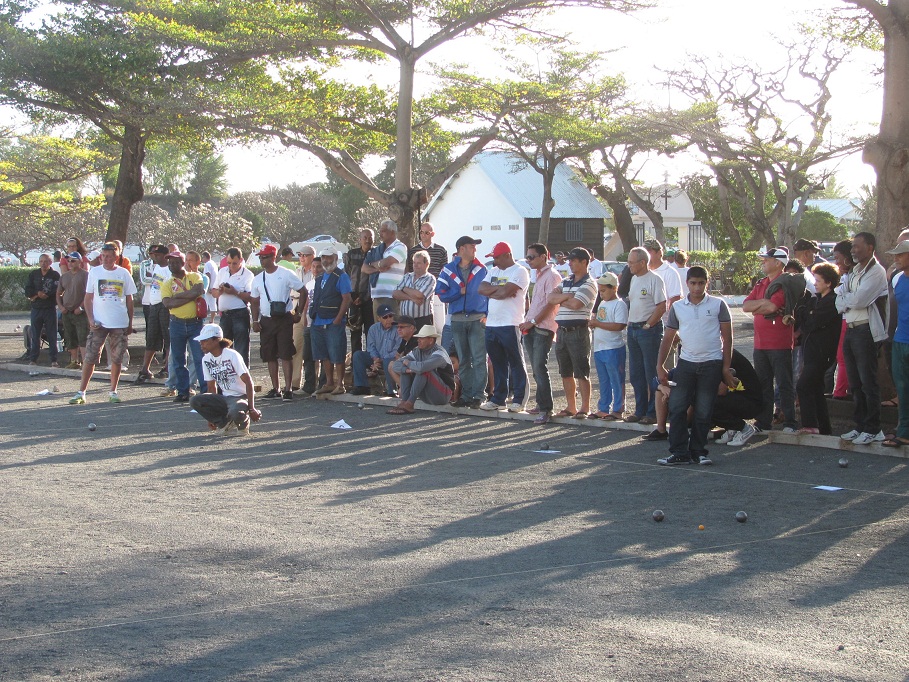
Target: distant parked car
[(320, 238), (614, 266)]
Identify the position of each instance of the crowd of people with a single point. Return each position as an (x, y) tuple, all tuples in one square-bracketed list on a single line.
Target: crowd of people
[(413, 324)]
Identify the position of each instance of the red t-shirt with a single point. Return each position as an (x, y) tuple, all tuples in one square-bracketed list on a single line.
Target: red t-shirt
[(770, 334)]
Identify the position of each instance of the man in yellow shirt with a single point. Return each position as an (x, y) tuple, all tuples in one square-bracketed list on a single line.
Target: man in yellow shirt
[(179, 294)]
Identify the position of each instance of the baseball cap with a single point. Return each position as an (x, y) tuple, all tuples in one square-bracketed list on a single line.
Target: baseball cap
[(75, 255), (306, 251), (93, 254), (176, 254), (384, 310), (109, 246), (328, 251), (210, 331), (806, 245), (406, 319), (287, 251), (780, 253), (653, 245), (902, 247), (580, 254), (158, 248), (467, 240), (499, 249), (268, 250), (608, 279)]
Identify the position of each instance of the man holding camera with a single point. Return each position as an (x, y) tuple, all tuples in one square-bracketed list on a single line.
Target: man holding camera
[(273, 315)]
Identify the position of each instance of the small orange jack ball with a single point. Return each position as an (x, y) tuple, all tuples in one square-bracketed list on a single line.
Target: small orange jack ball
[(701, 527)]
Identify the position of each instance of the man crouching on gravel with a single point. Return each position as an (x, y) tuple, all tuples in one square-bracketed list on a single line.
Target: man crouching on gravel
[(229, 404)]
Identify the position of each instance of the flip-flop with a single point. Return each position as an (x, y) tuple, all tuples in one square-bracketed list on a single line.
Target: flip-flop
[(579, 415), (563, 413), (890, 403), (895, 442), (398, 410)]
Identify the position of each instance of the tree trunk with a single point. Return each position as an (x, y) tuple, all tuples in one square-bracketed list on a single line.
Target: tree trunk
[(888, 153), (129, 190), (728, 226), (621, 216), (548, 202), (404, 209)]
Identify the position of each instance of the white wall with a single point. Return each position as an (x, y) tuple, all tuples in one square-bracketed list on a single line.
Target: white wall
[(472, 199)]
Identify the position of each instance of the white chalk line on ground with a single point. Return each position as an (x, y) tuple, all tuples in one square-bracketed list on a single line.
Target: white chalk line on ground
[(450, 581)]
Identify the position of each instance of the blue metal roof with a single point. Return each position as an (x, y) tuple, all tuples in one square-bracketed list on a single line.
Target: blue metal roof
[(836, 207), (522, 187)]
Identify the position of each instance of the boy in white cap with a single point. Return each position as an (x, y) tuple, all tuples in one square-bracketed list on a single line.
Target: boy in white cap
[(608, 325), (229, 404)]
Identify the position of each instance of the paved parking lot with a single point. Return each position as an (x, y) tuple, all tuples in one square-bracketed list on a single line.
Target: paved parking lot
[(437, 547)]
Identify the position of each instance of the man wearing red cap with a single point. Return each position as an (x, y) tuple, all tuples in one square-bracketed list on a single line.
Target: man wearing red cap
[(506, 285), (271, 306)]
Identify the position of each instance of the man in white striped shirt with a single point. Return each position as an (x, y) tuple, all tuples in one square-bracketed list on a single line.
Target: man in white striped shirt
[(416, 291)]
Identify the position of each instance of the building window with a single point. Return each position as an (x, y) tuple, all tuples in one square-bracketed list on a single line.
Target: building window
[(477, 228), (495, 228), (514, 227), (574, 231)]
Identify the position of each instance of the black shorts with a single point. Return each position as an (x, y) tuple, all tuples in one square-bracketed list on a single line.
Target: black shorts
[(157, 330), (276, 341)]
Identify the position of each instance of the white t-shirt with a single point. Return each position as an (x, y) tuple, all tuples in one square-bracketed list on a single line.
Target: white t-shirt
[(595, 268), (389, 280), (226, 371), (157, 275), (279, 284), (210, 270), (241, 281), (610, 311), (564, 269), (507, 312), (109, 289), (646, 292)]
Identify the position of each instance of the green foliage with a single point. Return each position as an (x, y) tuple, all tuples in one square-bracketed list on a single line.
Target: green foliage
[(12, 288), (821, 226), (736, 271)]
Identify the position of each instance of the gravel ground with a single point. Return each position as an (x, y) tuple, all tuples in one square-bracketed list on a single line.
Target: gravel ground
[(437, 547)]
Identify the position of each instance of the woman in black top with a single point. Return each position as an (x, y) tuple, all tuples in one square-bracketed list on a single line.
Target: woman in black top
[(820, 325)]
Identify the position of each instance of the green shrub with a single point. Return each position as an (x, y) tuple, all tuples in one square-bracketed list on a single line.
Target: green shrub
[(12, 287)]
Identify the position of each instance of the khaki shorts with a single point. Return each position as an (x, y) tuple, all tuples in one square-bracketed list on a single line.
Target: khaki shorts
[(119, 344)]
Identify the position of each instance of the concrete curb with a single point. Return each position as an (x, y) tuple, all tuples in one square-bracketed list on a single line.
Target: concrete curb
[(804, 439)]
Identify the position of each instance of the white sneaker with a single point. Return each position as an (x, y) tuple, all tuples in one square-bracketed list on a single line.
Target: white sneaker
[(515, 407), (229, 428), (852, 435), (489, 406), (726, 437), (742, 436), (789, 429), (868, 438)]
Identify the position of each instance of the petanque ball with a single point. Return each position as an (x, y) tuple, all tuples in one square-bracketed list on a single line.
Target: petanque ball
[(844, 463), (741, 517), (92, 427), (658, 515), (701, 527)]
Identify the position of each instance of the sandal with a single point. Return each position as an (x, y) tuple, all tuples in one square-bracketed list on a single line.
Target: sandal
[(579, 415), (895, 442), (563, 413), (399, 410), (890, 403), (600, 415)]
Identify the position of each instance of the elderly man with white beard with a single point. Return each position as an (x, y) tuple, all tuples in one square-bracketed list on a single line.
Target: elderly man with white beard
[(328, 312)]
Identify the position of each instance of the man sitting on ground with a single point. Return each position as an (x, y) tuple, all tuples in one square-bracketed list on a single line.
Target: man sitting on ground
[(426, 373)]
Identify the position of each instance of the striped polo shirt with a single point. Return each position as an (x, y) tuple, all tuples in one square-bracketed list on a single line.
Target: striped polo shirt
[(585, 290)]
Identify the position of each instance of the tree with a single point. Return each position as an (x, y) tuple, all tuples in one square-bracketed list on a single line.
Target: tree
[(888, 151), (821, 226), (309, 211), (341, 123), (723, 220), (208, 178), (764, 144), (108, 65), (552, 113)]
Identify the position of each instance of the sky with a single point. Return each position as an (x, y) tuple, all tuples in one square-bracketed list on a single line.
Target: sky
[(639, 47)]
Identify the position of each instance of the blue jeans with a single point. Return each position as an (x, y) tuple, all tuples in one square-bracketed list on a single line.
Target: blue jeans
[(329, 342), (643, 349), (43, 318), (183, 334), (171, 381), (696, 385), (503, 344), (611, 373), (470, 342), (361, 361), (860, 351), (235, 324), (900, 367), (538, 343)]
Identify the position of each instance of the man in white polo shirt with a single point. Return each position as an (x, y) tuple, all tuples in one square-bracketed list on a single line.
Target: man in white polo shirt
[(231, 288), (705, 326)]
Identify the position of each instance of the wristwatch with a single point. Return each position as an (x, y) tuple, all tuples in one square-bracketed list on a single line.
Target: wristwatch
[(533, 322)]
